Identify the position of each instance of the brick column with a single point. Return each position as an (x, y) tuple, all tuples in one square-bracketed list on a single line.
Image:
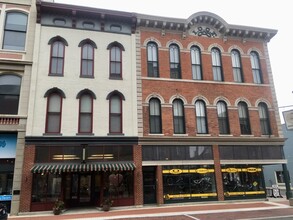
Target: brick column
[(138, 178), (160, 186), (27, 179), (218, 173)]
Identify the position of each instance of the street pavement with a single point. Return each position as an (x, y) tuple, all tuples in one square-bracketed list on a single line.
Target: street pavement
[(270, 209)]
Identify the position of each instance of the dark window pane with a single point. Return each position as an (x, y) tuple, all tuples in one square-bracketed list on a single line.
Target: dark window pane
[(240, 153), (14, 40), (9, 94), (272, 152), (226, 152)]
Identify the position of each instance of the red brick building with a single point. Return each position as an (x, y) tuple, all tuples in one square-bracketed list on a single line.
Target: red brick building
[(210, 120)]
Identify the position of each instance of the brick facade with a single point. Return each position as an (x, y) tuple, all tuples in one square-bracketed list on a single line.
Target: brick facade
[(161, 31)]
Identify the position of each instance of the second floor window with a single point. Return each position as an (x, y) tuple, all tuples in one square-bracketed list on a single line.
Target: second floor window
[(178, 117), (115, 114), (201, 118), (15, 31), (9, 94), (153, 65), (217, 65), (54, 107), (236, 65), (223, 118), (85, 114), (115, 62), (256, 70), (57, 58), (155, 116), (87, 60), (196, 63), (264, 119), (175, 68), (244, 118)]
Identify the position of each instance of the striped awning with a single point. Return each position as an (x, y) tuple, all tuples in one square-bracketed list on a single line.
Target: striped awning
[(92, 167)]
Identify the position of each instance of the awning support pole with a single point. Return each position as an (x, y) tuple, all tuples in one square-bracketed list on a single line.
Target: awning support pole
[(287, 181)]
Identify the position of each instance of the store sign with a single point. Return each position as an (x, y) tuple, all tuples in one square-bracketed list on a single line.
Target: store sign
[(176, 171), (288, 118), (7, 146), (230, 170), (5, 197)]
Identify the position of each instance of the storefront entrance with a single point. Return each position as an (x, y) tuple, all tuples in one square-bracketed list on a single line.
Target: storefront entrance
[(82, 189), (149, 185)]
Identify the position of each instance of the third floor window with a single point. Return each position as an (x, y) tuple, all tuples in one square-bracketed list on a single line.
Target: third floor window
[(87, 60), (217, 65), (196, 63), (175, 68), (256, 70), (57, 58), (15, 31), (115, 61), (236, 65), (152, 59)]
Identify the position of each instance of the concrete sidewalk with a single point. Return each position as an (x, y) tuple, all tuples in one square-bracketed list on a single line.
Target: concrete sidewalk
[(166, 211)]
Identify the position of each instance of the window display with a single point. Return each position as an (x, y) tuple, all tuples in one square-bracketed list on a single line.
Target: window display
[(46, 188), (243, 181), (189, 182)]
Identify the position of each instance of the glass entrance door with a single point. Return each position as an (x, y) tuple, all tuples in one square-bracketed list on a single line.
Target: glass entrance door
[(78, 190), (84, 188)]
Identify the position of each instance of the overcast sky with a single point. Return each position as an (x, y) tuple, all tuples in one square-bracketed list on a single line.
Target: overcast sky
[(270, 14)]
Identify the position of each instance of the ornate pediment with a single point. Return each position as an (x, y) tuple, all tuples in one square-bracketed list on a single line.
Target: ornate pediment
[(203, 31)]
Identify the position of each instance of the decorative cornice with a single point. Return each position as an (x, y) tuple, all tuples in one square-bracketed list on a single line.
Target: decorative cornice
[(208, 19), (75, 11)]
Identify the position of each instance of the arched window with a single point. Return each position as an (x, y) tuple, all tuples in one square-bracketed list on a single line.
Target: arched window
[(175, 68), (152, 56), (264, 119), (57, 58), (15, 31), (178, 117), (9, 94), (155, 116), (54, 110), (256, 70), (115, 107), (87, 60), (85, 113), (217, 65), (223, 118), (236, 65), (244, 118), (196, 67), (115, 49), (201, 117)]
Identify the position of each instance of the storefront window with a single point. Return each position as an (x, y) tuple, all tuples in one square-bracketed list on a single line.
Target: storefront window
[(280, 177), (5, 185), (119, 185), (243, 181), (46, 188), (189, 183)]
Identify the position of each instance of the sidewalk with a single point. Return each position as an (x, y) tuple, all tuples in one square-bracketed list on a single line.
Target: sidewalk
[(148, 212)]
